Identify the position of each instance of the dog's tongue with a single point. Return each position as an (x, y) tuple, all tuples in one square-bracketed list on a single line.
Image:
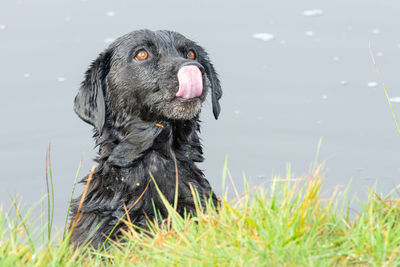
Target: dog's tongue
[(190, 82)]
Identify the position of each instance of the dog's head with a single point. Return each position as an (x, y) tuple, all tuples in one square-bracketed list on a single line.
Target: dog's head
[(151, 75)]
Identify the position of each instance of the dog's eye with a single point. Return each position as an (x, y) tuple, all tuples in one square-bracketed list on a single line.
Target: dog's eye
[(142, 55), (191, 55)]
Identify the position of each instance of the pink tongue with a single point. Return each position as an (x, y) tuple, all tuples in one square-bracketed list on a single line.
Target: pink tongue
[(190, 82)]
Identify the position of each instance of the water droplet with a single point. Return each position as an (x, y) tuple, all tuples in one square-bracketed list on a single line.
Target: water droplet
[(313, 13), (376, 31), (2, 27), (379, 54), (309, 33), (344, 83), (263, 36), (110, 14), (395, 99), (237, 112), (372, 84), (27, 75), (122, 179), (335, 58), (61, 79), (324, 97)]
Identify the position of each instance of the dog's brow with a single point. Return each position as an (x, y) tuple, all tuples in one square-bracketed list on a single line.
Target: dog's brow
[(149, 43), (144, 43)]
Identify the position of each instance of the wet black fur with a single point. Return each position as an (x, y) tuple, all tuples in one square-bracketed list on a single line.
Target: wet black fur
[(140, 127)]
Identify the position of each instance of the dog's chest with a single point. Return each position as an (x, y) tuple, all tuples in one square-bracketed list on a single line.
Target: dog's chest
[(157, 166)]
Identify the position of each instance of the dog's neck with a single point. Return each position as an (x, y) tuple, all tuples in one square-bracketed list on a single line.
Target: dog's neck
[(124, 146)]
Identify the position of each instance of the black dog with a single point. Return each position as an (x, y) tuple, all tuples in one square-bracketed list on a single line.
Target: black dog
[(143, 96)]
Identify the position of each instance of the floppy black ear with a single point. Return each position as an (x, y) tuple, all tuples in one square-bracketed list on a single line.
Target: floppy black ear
[(89, 102), (216, 91)]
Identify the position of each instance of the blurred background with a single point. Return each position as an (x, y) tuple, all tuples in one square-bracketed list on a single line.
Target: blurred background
[(292, 72)]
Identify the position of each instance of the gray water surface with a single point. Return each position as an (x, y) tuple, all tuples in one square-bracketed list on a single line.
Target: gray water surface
[(313, 79)]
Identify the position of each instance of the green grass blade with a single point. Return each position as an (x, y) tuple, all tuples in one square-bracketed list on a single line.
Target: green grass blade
[(48, 194), (224, 173), (384, 88), (72, 194), (18, 212)]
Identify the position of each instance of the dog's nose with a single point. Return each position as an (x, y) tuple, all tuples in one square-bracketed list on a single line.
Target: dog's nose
[(190, 82), (194, 63)]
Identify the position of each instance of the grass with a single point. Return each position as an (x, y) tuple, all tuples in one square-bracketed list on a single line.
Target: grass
[(286, 224)]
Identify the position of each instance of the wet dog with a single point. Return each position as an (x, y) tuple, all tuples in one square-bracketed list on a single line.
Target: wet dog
[(143, 96)]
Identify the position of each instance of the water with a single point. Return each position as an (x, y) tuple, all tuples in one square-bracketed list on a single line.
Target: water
[(280, 96)]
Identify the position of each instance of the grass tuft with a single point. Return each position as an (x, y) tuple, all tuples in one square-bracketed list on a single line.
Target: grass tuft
[(286, 223)]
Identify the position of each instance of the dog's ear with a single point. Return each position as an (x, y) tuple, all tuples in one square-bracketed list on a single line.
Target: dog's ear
[(89, 102), (216, 91)]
